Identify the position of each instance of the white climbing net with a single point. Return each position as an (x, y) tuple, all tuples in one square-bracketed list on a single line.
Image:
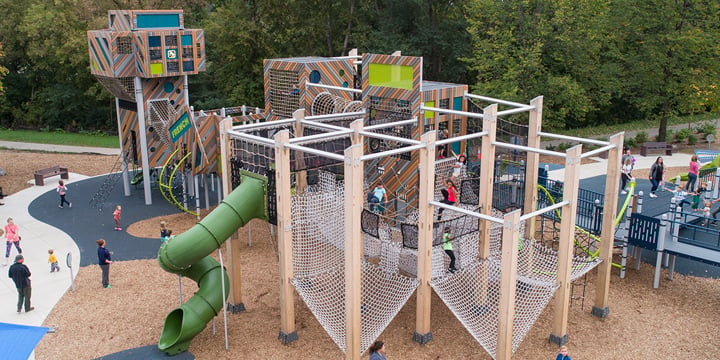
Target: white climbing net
[(326, 103), (319, 271)]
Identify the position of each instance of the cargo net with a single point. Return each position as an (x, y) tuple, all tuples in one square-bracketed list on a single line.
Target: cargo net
[(473, 292), (319, 270), (162, 114), (325, 103)]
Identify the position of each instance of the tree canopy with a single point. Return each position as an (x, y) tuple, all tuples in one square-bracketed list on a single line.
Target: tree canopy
[(595, 62)]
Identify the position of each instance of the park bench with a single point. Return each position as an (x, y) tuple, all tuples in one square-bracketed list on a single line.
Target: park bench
[(659, 147), (41, 174)]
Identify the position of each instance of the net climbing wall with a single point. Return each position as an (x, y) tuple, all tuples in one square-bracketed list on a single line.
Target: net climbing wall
[(319, 271)]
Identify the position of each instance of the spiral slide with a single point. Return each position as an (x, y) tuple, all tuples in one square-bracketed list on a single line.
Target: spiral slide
[(188, 255), (618, 218)]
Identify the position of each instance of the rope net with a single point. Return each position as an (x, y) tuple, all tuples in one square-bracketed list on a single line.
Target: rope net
[(319, 271), (326, 103)]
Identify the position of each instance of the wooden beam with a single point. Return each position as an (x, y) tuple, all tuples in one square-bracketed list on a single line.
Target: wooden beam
[(353, 249), (487, 174), (607, 236), (232, 245), (284, 237), (425, 233), (566, 246), (532, 163), (300, 176), (508, 284)]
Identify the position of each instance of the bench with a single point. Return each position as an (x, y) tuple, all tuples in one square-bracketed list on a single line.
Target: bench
[(660, 147), (41, 174)]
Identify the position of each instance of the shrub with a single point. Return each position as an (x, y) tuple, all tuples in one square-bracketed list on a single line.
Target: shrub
[(550, 147), (682, 135), (630, 143), (641, 137), (707, 128), (692, 139), (564, 146)]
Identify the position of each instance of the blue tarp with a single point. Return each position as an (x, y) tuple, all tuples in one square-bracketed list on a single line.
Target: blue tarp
[(19, 341)]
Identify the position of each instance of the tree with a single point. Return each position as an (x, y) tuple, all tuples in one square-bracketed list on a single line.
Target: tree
[(669, 55)]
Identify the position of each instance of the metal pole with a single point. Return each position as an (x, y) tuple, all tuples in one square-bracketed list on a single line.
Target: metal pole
[(180, 288), (222, 286)]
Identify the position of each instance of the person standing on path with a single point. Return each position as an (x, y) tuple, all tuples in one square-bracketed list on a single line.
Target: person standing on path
[(12, 238), (657, 175), (116, 217), (692, 174), (20, 274), (104, 260), (625, 175), (62, 190)]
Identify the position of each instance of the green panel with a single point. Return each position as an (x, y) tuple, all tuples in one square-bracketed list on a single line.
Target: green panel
[(153, 21), (393, 76), (186, 40), (429, 114), (179, 127), (156, 69), (457, 103)]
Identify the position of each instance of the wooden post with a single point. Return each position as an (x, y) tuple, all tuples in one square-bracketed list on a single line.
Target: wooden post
[(353, 249), (232, 245), (423, 335), (487, 175), (284, 238), (607, 235), (565, 248), (508, 284), (532, 163), (300, 176)]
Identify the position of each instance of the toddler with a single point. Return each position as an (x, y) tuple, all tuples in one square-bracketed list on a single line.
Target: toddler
[(706, 211), (116, 216), (53, 261), (563, 353), (168, 236), (163, 230)]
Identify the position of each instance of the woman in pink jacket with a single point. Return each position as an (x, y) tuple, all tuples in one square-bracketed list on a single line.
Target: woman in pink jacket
[(692, 174), (12, 237)]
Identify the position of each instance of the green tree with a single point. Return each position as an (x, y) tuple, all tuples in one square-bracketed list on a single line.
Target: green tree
[(669, 55)]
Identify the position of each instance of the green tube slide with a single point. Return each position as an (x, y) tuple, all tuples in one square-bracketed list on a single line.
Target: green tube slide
[(188, 255)]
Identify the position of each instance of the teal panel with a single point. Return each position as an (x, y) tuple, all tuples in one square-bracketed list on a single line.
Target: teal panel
[(457, 103), (186, 40), (153, 21)]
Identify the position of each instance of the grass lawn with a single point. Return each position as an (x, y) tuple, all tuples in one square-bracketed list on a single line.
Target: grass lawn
[(59, 138)]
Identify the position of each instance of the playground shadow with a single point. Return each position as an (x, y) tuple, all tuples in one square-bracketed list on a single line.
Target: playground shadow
[(85, 224)]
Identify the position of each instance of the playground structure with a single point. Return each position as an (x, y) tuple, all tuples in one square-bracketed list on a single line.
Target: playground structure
[(144, 59), (373, 119)]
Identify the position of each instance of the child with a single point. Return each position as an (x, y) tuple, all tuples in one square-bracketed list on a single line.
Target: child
[(563, 353), (53, 261), (679, 196), (163, 230), (62, 190), (697, 196), (116, 216), (168, 236), (706, 211), (447, 246)]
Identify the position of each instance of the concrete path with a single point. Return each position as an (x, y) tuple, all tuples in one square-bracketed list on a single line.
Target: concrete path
[(599, 167), (59, 148)]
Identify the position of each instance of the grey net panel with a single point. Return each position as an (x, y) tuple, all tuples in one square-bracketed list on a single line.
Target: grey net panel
[(162, 115), (121, 88), (387, 110), (284, 92)]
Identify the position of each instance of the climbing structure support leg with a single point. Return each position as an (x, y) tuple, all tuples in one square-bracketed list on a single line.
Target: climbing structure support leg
[(284, 237), (607, 234), (425, 226)]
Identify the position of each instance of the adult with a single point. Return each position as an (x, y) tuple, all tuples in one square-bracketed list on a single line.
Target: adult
[(628, 155), (625, 175), (377, 351), (20, 274), (12, 238), (692, 174), (657, 175), (104, 260), (449, 195), (380, 195)]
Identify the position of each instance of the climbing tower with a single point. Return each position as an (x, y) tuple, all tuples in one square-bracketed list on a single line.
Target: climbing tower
[(143, 58)]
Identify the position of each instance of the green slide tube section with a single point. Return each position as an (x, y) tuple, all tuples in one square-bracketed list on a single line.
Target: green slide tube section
[(188, 255)]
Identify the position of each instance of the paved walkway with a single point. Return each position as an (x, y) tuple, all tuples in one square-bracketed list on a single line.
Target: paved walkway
[(59, 148), (599, 167)]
